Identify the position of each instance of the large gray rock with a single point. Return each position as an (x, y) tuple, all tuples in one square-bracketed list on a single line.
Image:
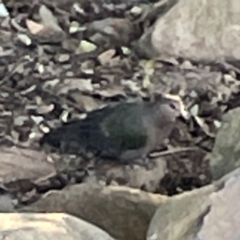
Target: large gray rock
[(20, 226), (123, 212), (226, 151), (211, 212), (223, 221), (18, 163), (199, 30), (180, 217), (126, 213)]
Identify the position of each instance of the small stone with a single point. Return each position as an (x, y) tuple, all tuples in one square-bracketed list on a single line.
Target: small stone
[(64, 58), (136, 10), (86, 47), (3, 11), (194, 110), (74, 27), (24, 39)]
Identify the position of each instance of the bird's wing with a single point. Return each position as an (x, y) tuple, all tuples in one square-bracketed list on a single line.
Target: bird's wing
[(106, 132), (125, 127)]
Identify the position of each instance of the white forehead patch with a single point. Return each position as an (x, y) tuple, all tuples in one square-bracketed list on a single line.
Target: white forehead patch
[(173, 97), (182, 108)]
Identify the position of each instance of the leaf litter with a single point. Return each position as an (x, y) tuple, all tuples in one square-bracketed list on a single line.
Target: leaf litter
[(61, 60)]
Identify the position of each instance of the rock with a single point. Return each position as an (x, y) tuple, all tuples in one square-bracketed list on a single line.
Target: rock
[(20, 171), (133, 176), (21, 226), (226, 152), (7, 202), (140, 46), (199, 30), (211, 212), (222, 222), (123, 212), (17, 164), (179, 218)]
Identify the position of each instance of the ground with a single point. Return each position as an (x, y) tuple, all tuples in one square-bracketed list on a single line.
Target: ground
[(58, 62)]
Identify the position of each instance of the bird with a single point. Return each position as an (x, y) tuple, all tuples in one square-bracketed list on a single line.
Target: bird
[(125, 132)]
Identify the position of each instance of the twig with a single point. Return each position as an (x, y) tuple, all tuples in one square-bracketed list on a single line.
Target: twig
[(15, 67), (173, 151), (229, 66)]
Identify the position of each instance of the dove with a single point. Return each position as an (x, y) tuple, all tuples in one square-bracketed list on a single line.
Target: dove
[(125, 132)]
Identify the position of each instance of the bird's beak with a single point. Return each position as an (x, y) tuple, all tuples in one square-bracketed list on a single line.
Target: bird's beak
[(184, 113)]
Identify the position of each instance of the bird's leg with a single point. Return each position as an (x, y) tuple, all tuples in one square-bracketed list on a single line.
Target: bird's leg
[(147, 163), (143, 162)]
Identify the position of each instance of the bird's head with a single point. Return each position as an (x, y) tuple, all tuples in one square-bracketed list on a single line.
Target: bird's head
[(171, 106)]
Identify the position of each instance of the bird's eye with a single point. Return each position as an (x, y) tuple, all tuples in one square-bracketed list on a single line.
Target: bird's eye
[(172, 105)]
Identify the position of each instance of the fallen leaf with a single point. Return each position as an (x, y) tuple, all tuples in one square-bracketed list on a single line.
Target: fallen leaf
[(106, 57), (83, 85), (17, 163), (111, 92), (34, 27), (85, 103), (48, 19)]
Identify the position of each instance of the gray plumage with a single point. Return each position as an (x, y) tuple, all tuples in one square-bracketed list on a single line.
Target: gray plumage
[(126, 132)]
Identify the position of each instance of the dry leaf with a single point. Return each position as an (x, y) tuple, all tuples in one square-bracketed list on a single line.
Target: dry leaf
[(34, 27), (17, 163), (83, 85), (111, 92), (105, 57), (222, 222), (48, 19), (85, 103)]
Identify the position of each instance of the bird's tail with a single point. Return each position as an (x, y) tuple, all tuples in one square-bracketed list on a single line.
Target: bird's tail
[(53, 138)]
